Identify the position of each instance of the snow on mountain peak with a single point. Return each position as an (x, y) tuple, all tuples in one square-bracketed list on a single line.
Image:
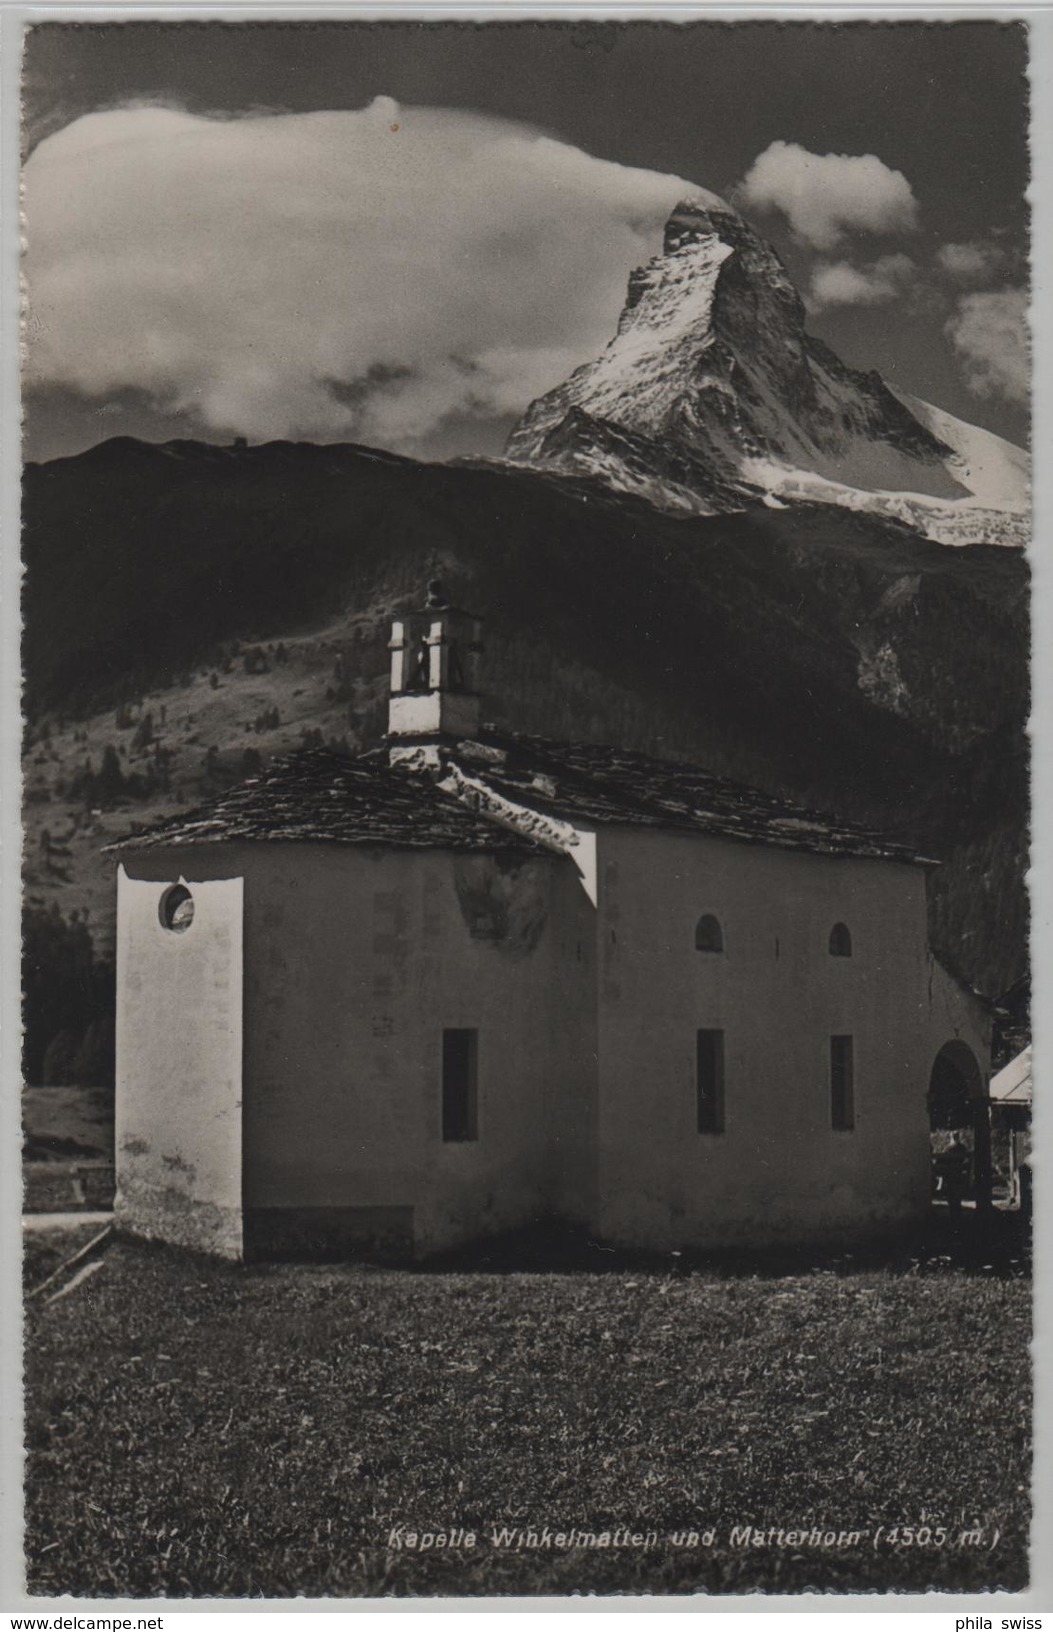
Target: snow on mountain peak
[(711, 395)]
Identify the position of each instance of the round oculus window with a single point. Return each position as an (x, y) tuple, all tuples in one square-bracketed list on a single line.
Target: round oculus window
[(177, 908)]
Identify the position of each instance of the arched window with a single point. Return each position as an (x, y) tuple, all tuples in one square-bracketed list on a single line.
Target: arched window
[(708, 934), (840, 941)]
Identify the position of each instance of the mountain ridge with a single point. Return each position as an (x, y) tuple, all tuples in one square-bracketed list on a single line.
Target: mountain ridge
[(830, 656), (712, 374)]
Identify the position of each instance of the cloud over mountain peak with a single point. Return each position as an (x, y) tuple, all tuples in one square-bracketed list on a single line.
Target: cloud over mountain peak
[(361, 274)]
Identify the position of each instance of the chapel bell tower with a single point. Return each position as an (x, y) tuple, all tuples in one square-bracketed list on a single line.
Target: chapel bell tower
[(434, 653)]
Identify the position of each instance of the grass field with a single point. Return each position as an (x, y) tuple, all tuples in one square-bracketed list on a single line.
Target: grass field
[(45, 1251), (196, 1429)]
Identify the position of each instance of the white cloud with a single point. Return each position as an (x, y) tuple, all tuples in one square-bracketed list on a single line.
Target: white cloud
[(839, 283), (972, 262), (825, 196), (352, 274), (989, 333)]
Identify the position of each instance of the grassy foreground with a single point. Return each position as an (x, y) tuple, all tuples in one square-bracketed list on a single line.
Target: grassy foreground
[(194, 1429)]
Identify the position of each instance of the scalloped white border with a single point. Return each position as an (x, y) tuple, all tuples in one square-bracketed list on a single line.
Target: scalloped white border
[(13, 18)]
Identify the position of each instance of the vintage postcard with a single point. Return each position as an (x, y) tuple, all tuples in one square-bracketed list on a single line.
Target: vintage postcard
[(527, 1041)]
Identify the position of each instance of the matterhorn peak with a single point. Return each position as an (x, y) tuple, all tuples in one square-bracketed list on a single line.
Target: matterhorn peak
[(703, 216), (694, 218), (711, 396)]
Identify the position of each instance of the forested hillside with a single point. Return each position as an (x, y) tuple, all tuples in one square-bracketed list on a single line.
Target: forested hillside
[(190, 609)]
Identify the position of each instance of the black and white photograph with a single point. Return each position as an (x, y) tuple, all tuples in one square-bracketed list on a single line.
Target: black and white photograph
[(526, 622)]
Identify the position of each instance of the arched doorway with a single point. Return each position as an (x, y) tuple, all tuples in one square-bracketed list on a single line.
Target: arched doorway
[(958, 1104)]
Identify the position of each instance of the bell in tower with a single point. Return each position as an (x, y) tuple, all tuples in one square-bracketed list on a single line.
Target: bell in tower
[(434, 653)]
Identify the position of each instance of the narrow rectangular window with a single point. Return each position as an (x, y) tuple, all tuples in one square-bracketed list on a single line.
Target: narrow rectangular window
[(709, 1081), (459, 1089), (842, 1086)]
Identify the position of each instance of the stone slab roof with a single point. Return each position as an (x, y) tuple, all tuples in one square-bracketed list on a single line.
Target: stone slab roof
[(318, 795), (321, 796), (590, 783)]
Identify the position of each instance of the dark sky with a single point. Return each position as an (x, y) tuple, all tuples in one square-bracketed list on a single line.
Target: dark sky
[(946, 104)]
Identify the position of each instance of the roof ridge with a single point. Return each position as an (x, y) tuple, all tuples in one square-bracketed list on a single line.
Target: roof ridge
[(781, 808), (291, 799)]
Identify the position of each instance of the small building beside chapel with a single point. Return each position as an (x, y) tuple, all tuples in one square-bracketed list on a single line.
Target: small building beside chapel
[(470, 982)]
